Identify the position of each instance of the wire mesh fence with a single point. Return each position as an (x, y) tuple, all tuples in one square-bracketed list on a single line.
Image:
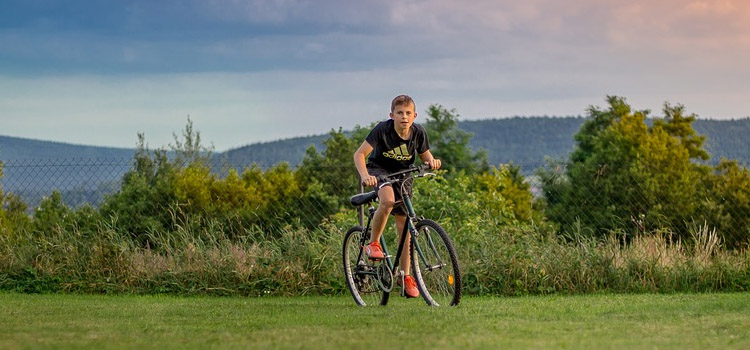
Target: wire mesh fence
[(634, 204), (80, 181)]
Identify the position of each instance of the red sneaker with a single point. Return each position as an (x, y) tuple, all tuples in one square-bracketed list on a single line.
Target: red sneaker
[(374, 251), (410, 290)]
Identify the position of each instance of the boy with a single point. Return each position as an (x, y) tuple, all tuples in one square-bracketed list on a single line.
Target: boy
[(395, 142)]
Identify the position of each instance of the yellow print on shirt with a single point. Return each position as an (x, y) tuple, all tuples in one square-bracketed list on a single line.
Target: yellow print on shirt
[(399, 153)]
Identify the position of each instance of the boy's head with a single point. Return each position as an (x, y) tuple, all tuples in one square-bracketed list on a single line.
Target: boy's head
[(402, 100), (403, 112)]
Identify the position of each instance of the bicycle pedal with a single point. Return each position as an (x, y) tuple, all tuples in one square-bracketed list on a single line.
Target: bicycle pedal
[(375, 259)]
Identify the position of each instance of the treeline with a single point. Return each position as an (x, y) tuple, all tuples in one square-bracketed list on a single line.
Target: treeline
[(35, 168), (526, 141), (631, 209), (521, 140)]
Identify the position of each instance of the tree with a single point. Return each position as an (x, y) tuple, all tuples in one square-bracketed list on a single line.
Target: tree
[(189, 149), (727, 203), (681, 127), (147, 201), (334, 168), (508, 183), (625, 175)]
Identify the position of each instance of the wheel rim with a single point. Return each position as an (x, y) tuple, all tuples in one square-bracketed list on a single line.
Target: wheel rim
[(363, 285), (439, 275)]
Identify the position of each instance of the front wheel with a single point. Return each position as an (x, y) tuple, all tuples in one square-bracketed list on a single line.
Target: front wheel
[(436, 266), (362, 275)]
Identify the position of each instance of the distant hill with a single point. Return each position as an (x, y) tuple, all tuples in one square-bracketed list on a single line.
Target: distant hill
[(84, 174), (34, 168), (726, 138), (525, 141), (16, 148), (521, 140), (269, 153)]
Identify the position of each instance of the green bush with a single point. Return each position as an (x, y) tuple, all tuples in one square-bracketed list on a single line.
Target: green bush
[(727, 203), (625, 175)]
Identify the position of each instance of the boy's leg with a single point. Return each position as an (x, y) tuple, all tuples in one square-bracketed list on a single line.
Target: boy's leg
[(410, 288), (386, 199), (405, 261)]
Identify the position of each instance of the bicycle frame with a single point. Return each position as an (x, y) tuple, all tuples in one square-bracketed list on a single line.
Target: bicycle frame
[(409, 227)]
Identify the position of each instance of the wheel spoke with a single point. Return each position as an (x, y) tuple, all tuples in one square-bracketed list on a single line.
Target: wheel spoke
[(361, 275), (436, 265)]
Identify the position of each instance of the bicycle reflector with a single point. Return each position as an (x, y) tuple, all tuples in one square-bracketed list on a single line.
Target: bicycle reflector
[(450, 279)]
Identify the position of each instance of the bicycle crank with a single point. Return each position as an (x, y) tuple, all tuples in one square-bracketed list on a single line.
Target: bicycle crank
[(385, 277)]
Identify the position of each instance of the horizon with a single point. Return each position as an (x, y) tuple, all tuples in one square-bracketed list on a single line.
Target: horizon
[(231, 148)]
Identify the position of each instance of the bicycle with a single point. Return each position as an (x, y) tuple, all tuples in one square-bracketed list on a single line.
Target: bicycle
[(433, 258)]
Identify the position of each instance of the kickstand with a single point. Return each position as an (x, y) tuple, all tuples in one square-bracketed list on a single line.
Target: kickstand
[(402, 278)]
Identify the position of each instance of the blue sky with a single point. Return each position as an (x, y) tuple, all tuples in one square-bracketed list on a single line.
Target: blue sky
[(99, 72)]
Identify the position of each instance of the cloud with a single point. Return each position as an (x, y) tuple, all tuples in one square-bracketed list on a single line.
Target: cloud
[(247, 36), (261, 70)]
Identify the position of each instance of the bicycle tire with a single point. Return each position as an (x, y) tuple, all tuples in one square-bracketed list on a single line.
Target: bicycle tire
[(436, 269), (359, 272)]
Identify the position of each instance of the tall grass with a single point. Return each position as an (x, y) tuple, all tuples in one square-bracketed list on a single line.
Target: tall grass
[(497, 260), (185, 261), (530, 260)]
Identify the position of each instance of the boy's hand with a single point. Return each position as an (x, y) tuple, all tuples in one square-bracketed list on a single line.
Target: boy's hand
[(434, 163), (369, 180)]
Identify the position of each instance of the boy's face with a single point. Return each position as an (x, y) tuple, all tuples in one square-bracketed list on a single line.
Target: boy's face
[(403, 116)]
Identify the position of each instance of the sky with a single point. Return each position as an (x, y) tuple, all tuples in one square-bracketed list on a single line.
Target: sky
[(100, 72)]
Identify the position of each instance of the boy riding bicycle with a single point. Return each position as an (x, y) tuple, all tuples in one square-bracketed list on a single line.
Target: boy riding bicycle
[(391, 146)]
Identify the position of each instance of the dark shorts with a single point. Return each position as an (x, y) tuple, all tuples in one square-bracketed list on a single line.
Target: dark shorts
[(398, 209)]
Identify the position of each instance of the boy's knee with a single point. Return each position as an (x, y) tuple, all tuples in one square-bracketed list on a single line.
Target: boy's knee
[(387, 204)]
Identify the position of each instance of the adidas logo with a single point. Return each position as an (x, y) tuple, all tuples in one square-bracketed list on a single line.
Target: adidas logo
[(400, 153)]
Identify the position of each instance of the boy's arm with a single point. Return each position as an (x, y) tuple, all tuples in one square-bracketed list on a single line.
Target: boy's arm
[(359, 162), (427, 158)]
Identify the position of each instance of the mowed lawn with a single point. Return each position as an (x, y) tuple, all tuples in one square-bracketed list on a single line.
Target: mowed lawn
[(642, 321)]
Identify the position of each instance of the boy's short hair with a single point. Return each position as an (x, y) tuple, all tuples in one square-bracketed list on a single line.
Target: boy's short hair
[(402, 100)]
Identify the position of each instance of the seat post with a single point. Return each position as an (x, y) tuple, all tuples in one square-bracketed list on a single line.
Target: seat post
[(361, 207)]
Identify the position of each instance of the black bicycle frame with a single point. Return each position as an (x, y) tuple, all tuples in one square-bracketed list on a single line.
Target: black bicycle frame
[(412, 230), (408, 226)]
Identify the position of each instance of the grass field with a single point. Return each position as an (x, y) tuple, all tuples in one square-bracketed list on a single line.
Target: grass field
[(643, 321)]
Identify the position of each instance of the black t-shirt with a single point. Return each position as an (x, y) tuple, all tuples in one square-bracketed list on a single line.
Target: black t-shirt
[(390, 151)]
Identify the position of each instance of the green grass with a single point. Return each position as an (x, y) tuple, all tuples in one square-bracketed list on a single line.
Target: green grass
[(647, 321)]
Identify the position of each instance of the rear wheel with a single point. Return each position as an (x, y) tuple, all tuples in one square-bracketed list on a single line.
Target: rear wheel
[(362, 274), (435, 265)]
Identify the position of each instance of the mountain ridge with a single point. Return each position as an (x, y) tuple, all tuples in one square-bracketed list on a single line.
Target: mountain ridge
[(32, 169), (522, 140)]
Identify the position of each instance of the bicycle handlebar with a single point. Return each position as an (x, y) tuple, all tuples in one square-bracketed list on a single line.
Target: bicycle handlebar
[(400, 175)]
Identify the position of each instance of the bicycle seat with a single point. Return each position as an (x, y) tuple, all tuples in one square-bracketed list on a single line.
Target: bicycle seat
[(363, 198)]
